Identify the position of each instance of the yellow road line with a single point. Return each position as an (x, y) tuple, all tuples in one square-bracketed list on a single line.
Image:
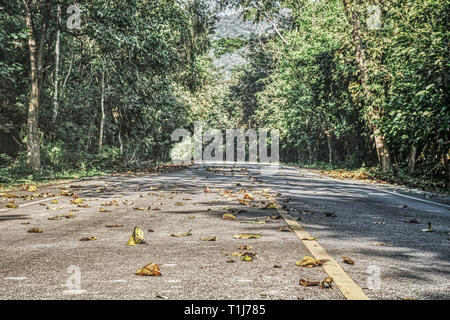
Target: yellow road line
[(348, 287)]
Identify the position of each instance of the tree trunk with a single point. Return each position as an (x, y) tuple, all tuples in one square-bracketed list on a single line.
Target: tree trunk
[(380, 142), (36, 59), (412, 159), (330, 149), (102, 119), (55, 93)]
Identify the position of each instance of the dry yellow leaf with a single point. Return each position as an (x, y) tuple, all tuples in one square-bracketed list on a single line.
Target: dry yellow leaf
[(77, 201), (310, 262), (187, 233), (137, 237), (151, 269), (246, 236), (228, 216), (11, 205)]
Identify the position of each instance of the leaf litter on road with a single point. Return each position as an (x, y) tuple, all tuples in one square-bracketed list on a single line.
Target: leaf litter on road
[(310, 262), (209, 239), (185, 234), (347, 260), (228, 216), (88, 239), (246, 236), (137, 237), (151, 269)]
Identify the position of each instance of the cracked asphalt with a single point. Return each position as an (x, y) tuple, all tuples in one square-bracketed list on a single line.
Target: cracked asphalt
[(393, 259)]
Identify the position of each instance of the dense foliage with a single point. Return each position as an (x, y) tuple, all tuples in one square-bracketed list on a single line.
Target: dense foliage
[(349, 83), (308, 80)]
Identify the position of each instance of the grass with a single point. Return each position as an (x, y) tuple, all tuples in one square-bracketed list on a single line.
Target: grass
[(11, 179)]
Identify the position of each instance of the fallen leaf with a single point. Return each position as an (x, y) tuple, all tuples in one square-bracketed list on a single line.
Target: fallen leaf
[(191, 217), (285, 229), (209, 239), (228, 216), (57, 217), (380, 244), (70, 215), (142, 208), (248, 256), (309, 239), (151, 269), (35, 230), (249, 196), (104, 210), (229, 261), (187, 233), (327, 281), (244, 202), (11, 205), (277, 266), (55, 208), (110, 203), (236, 254), (137, 237), (179, 204), (54, 201), (348, 260), (411, 221), (271, 205), (310, 262), (245, 247), (207, 190), (77, 201), (162, 297), (246, 236), (66, 193), (88, 239), (306, 283), (32, 188), (114, 225)]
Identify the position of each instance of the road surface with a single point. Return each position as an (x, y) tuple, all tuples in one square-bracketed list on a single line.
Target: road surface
[(393, 258)]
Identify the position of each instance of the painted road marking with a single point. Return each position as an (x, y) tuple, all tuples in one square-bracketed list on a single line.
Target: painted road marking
[(346, 285), (31, 203), (352, 182)]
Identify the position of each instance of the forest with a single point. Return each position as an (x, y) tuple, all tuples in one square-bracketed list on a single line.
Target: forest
[(99, 86)]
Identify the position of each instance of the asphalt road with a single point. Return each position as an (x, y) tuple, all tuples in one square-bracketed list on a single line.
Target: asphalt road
[(393, 259)]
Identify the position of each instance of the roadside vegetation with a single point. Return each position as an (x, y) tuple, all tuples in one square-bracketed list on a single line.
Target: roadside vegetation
[(353, 84)]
